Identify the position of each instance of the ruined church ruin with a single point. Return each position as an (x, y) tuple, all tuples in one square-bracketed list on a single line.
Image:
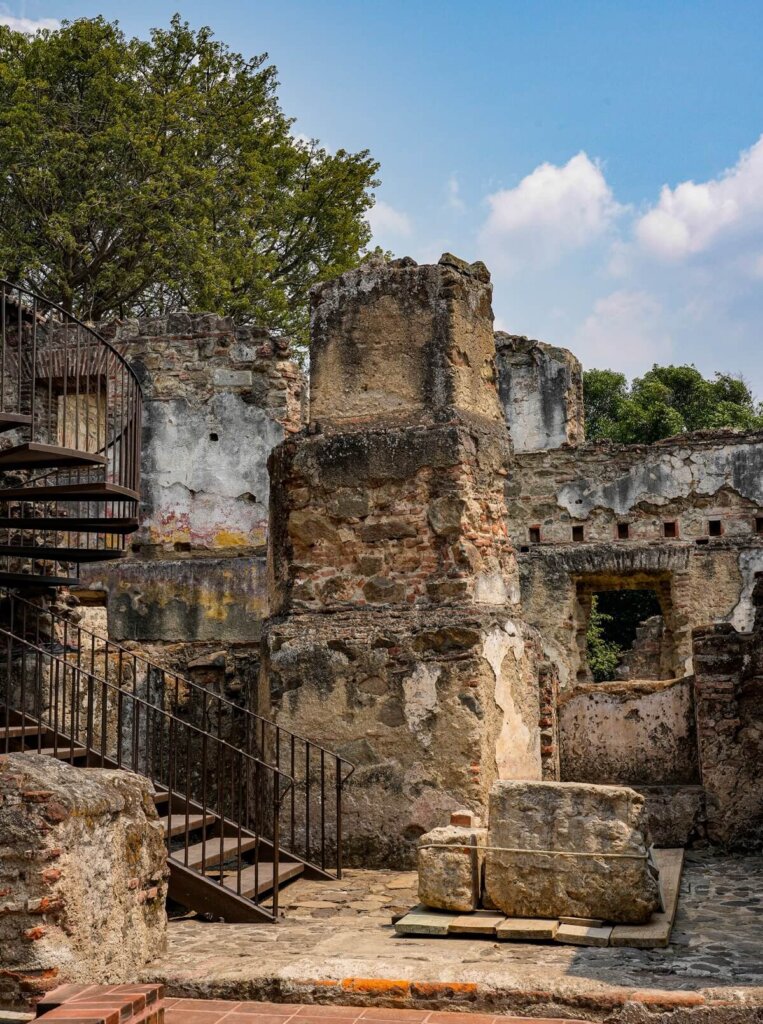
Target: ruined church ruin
[(323, 611)]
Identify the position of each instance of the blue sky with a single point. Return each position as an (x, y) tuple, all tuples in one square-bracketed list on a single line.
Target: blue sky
[(605, 159)]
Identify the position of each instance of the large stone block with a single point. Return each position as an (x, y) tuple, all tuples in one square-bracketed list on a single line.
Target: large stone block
[(608, 874), (82, 876), (450, 867), (396, 343)]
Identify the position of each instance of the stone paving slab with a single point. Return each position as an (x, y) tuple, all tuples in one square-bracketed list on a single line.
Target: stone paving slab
[(327, 951)]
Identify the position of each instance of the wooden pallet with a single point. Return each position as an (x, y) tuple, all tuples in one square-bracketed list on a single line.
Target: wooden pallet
[(490, 924)]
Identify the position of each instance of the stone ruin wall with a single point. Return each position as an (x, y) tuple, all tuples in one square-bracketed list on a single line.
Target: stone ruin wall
[(396, 637), (689, 482), (390, 505), (193, 590)]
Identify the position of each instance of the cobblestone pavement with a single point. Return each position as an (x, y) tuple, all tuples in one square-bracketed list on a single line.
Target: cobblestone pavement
[(336, 943)]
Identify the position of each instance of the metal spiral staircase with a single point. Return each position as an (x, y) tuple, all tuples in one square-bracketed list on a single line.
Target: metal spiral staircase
[(246, 806), (70, 418)]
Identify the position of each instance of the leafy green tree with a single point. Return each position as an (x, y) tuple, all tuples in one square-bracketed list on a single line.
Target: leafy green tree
[(144, 176), (667, 400), (603, 654)]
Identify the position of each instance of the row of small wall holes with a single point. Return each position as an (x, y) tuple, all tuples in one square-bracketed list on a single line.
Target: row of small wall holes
[(669, 530)]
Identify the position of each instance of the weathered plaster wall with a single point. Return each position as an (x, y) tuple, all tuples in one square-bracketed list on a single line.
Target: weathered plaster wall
[(629, 733), (218, 398), (82, 876), (596, 488), (541, 390), (395, 636)]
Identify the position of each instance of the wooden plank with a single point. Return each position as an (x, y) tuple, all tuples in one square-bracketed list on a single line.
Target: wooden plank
[(656, 933), (524, 929), (424, 921), (478, 922), (256, 883), (581, 935)]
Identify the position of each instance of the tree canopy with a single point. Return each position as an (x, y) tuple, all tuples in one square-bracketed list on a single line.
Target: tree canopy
[(144, 176), (667, 400)]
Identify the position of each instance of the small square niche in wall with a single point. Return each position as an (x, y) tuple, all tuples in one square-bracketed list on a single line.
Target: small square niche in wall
[(535, 535), (759, 524), (670, 528), (578, 534), (623, 531), (714, 528)]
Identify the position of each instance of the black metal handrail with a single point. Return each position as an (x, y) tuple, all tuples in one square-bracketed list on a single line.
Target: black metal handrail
[(312, 826), (70, 413), (201, 776)]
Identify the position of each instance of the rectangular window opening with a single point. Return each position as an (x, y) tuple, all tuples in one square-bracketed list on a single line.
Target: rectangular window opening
[(535, 535), (623, 531), (759, 524), (578, 533), (714, 528), (670, 528)]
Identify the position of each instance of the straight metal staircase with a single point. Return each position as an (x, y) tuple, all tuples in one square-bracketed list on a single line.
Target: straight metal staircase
[(246, 806)]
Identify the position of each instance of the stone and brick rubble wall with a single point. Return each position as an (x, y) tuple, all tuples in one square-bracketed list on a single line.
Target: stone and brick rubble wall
[(82, 876), (396, 637), (594, 488), (728, 685)]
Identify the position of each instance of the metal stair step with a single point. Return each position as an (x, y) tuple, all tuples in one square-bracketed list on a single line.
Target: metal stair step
[(209, 853), (13, 420), (33, 455), (50, 553), (258, 880), (85, 491), (25, 579), (176, 824), (73, 524)]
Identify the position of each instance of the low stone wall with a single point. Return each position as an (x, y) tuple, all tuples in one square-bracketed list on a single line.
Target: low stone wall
[(636, 732), (82, 876)]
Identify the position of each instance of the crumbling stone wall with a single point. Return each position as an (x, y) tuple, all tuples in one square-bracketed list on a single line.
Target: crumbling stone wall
[(729, 699), (541, 390), (606, 516), (396, 637), (82, 876), (218, 397)]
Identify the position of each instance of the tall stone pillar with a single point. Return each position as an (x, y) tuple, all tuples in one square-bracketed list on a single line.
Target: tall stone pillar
[(395, 635)]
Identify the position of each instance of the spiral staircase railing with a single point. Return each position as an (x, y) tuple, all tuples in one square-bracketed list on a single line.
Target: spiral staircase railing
[(70, 427)]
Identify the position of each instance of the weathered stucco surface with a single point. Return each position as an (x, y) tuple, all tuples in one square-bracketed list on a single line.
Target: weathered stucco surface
[(82, 876), (541, 390), (630, 732), (218, 397), (598, 488)]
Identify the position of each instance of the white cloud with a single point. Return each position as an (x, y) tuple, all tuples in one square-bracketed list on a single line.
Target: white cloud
[(386, 220), (453, 195), (625, 331), (692, 218), (27, 25), (552, 210)]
